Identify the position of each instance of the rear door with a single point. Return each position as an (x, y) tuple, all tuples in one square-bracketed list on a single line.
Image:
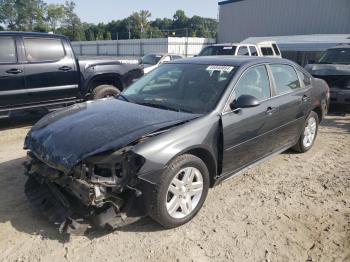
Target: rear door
[(294, 102), (12, 88), (51, 72), (249, 133)]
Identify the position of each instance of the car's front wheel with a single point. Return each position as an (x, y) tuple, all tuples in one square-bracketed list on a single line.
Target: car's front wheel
[(181, 192), (309, 133)]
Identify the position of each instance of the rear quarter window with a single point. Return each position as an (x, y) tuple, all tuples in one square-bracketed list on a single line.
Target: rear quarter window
[(305, 78), (41, 49), (7, 50)]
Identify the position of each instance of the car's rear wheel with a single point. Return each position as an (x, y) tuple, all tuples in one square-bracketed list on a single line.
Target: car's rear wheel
[(104, 91), (181, 192), (309, 134)]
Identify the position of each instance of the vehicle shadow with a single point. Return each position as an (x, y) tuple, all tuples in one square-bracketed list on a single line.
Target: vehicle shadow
[(16, 210), (337, 118), (21, 119)]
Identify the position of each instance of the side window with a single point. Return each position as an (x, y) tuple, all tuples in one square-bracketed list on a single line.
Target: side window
[(254, 82), (243, 50), (275, 48), (166, 59), (43, 49), (7, 50), (305, 78), (286, 78), (253, 51), (267, 51), (175, 57)]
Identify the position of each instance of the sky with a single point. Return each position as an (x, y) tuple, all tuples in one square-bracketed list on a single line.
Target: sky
[(95, 11)]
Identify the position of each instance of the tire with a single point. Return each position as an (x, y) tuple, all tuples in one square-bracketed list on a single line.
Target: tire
[(302, 146), (163, 197), (104, 91)]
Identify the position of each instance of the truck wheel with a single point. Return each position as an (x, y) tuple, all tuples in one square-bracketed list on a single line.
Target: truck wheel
[(308, 135), (181, 191), (104, 91)]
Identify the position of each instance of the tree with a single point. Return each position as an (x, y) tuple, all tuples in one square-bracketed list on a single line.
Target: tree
[(108, 36), (22, 14), (140, 22), (180, 20), (8, 14), (55, 16), (72, 25), (36, 15)]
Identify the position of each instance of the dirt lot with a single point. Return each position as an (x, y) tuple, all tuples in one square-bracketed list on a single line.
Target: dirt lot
[(292, 208)]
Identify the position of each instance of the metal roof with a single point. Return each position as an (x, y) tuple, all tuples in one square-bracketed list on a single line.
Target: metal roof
[(316, 42), (228, 2), (29, 34)]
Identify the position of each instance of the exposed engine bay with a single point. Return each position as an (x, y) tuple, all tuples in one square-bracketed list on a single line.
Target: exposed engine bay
[(98, 192)]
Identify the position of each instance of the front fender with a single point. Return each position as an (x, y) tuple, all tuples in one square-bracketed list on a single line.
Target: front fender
[(159, 151)]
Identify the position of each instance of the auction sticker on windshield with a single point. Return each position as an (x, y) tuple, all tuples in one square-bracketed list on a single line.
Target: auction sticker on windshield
[(227, 69)]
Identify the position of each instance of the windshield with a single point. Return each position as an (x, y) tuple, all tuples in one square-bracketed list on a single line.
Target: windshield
[(218, 50), (150, 59), (181, 87), (336, 56)]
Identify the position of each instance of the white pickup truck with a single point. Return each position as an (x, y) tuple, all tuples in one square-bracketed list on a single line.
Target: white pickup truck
[(267, 48)]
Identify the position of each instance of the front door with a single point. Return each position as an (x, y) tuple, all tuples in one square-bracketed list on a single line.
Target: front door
[(249, 132), (51, 73), (12, 88)]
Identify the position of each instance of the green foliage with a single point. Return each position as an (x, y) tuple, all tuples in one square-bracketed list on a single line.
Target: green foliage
[(36, 15), (55, 16)]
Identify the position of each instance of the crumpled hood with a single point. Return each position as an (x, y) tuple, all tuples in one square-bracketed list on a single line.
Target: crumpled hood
[(64, 138), (327, 69)]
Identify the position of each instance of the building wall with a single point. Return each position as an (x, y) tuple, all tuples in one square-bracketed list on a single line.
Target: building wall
[(240, 19), (139, 47)]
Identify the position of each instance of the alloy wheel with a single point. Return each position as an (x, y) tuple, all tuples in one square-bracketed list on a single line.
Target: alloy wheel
[(184, 192), (310, 132)]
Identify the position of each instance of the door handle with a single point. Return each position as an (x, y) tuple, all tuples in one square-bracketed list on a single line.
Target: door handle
[(271, 110), (14, 71), (305, 98), (65, 68)]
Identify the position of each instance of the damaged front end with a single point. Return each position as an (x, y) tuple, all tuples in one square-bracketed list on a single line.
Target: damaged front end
[(101, 191)]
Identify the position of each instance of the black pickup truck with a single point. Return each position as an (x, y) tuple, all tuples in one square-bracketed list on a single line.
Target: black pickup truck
[(334, 68), (41, 70)]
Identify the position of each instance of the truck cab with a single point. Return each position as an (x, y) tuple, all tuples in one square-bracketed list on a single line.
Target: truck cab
[(41, 70), (267, 48)]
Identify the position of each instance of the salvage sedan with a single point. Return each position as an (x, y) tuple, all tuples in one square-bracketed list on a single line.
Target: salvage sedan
[(159, 146)]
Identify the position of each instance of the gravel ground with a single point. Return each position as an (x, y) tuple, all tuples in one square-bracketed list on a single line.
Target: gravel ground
[(295, 207)]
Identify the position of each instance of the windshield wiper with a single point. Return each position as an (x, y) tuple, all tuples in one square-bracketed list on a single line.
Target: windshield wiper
[(163, 107), (122, 96)]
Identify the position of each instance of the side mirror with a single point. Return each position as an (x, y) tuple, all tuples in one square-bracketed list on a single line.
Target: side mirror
[(244, 101)]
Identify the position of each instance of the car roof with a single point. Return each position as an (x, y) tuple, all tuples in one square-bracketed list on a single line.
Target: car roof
[(230, 60), (31, 34)]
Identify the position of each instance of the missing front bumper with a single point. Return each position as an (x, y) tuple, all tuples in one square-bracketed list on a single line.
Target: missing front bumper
[(70, 216)]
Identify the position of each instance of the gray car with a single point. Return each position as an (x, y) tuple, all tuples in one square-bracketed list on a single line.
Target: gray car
[(158, 147)]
